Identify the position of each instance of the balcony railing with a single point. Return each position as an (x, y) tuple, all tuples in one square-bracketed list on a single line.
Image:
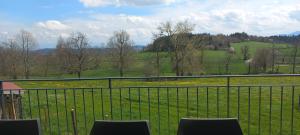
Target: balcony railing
[(269, 107)]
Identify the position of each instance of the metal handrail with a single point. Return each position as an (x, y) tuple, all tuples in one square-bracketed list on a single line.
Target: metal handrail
[(156, 77)]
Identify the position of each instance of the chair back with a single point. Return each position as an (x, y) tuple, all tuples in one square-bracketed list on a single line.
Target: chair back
[(120, 128), (209, 127), (20, 127)]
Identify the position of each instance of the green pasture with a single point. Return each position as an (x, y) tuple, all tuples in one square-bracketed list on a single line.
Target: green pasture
[(163, 104), (213, 62)]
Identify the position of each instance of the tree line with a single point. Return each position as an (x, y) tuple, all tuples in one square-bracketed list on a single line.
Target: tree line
[(184, 48), (185, 51), (72, 55)]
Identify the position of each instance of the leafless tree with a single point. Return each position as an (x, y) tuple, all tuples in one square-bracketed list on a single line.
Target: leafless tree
[(150, 67), (192, 61), (294, 56), (45, 63), (63, 56), (164, 31), (78, 44), (74, 53), (121, 50), (274, 54), (180, 41), (157, 43), (262, 59), (96, 58), (3, 60), (11, 58), (245, 52), (227, 61), (167, 29), (27, 43)]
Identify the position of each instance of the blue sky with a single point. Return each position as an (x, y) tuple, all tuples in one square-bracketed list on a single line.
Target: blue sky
[(48, 19)]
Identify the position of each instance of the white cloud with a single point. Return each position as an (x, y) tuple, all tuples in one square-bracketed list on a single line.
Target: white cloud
[(98, 3), (295, 15), (53, 25), (252, 16)]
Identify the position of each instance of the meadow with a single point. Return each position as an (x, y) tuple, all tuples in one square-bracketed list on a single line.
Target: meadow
[(213, 62), (263, 105)]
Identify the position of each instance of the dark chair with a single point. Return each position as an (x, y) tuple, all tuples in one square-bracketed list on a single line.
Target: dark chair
[(209, 127), (20, 127), (120, 128)]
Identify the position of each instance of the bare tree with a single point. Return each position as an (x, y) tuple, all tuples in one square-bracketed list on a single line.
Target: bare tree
[(3, 60), (44, 63), (121, 50), (12, 58), (27, 43), (63, 56), (227, 61), (96, 57), (192, 61), (78, 44), (245, 52), (294, 56), (74, 53), (262, 59), (180, 41), (163, 36), (177, 40), (150, 67), (167, 30), (157, 43)]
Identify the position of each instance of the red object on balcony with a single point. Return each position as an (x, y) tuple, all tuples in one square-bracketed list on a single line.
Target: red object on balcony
[(9, 87)]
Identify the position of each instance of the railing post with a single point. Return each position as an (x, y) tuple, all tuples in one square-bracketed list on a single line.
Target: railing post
[(1, 86), (299, 102), (2, 102), (110, 97), (74, 120), (228, 82), (228, 99), (109, 83)]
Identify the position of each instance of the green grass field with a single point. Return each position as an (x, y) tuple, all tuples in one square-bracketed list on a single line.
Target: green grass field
[(163, 107), (213, 62)]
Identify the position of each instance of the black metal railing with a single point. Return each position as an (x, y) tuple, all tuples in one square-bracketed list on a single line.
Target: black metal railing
[(261, 108)]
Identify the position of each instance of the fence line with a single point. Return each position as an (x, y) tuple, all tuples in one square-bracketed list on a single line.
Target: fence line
[(260, 109)]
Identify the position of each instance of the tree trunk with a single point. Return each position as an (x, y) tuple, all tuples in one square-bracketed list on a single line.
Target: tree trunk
[(202, 55), (158, 63), (294, 58), (273, 58), (177, 69), (79, 74), (121, 72)]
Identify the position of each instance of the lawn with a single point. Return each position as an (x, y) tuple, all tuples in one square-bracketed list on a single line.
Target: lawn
[(261, 109), (164, 106)]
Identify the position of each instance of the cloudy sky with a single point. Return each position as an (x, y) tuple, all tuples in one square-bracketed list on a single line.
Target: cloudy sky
[(48, 19)]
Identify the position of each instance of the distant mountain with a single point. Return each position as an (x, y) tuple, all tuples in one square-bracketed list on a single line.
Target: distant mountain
[(296, 33), (45, 50), (139, 47)]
